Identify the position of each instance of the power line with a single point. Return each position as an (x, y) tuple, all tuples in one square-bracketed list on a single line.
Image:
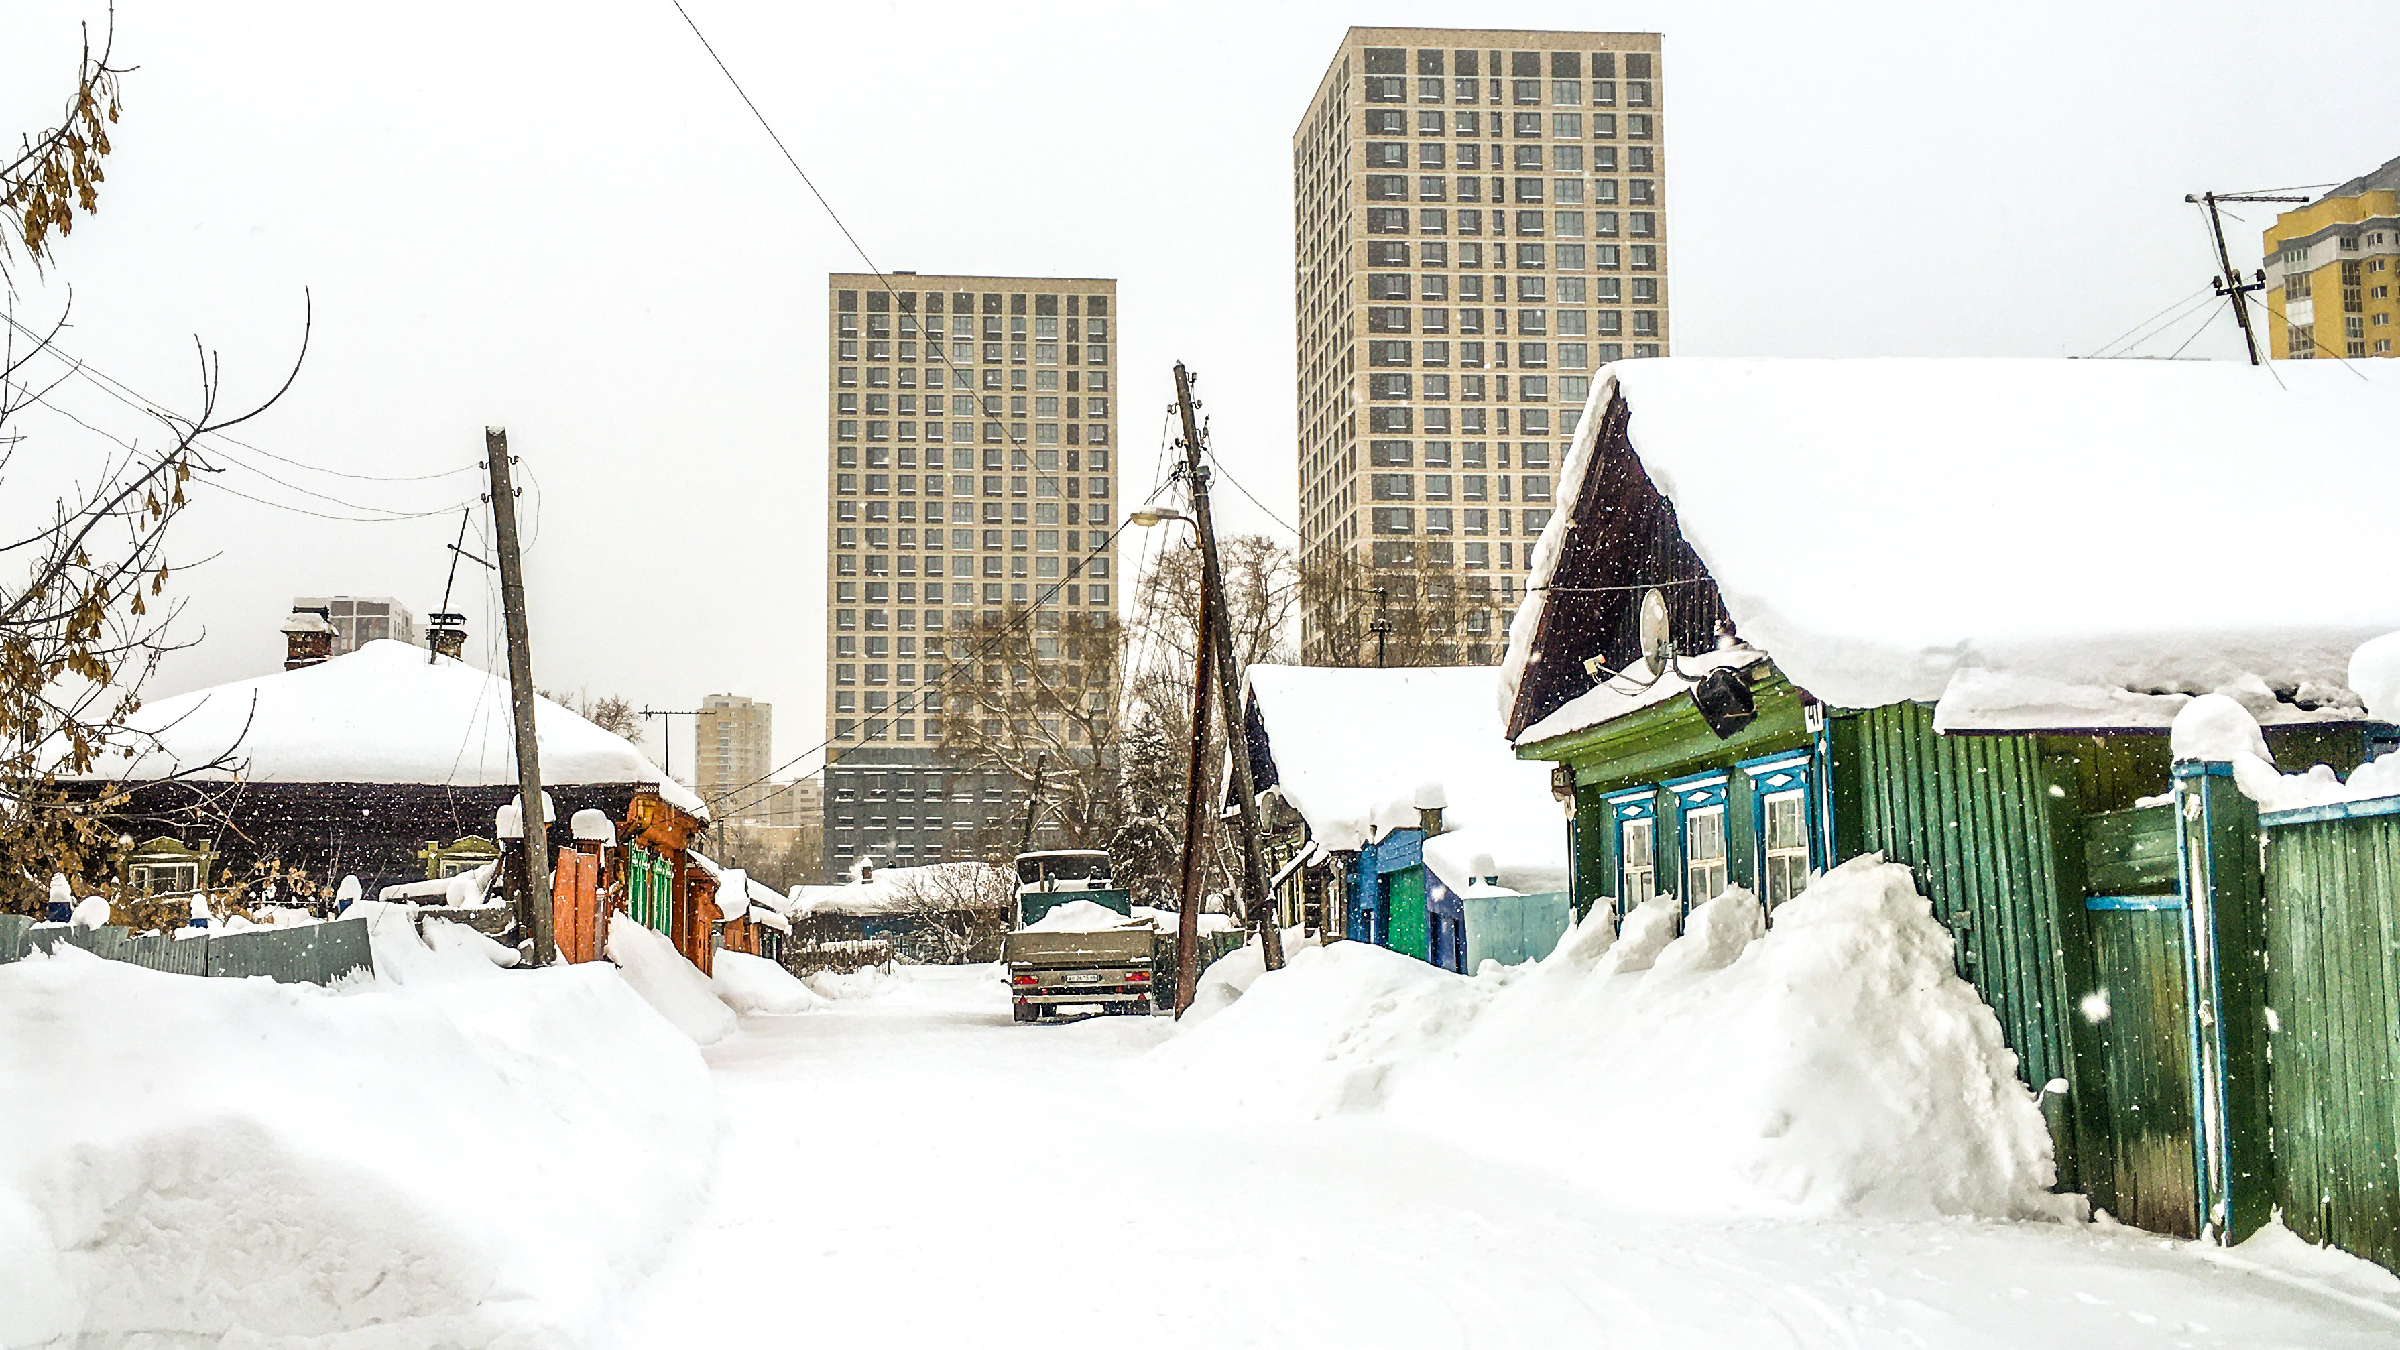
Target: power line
[(135, 399), (1254, 501), (910, 702)]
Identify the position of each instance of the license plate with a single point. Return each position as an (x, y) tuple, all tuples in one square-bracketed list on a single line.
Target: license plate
[(1084, 977)]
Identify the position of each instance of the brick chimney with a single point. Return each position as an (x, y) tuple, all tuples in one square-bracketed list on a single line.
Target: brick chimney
[(448, 634), (307, 638)]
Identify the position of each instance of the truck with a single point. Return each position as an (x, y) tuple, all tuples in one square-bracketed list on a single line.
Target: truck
[(1050, 969)]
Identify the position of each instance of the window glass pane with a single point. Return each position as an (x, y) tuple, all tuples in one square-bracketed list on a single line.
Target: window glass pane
[(1704, 854), (1640, 872)]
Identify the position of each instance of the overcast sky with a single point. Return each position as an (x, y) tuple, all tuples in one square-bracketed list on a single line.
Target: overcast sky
[(560, 219)]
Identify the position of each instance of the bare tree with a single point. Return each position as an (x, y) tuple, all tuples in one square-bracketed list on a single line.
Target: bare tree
[(84, 617), (1428, 613), (956, 910), (1260, 597), (57, 172), (1028, 698)]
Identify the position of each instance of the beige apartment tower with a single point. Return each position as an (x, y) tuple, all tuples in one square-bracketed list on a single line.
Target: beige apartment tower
[(971, 565), (733, 745), (1478, 225)]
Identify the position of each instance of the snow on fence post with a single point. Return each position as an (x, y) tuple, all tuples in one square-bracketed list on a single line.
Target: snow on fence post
[(2216, 839)]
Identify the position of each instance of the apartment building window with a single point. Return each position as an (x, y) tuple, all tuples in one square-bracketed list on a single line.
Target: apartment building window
[(1637, 127), (1525, 126), (1394, 520), (1394, 487)]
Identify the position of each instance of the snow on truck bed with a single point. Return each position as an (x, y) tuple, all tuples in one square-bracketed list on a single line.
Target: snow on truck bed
[(381, 714), (2030, 538)]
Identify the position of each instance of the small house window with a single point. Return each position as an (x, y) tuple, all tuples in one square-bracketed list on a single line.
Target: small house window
[(1784, 816), (1640, 867), (1704, 854)]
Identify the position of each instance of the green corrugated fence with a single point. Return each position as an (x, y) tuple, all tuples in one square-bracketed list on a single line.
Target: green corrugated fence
[(314, 954)]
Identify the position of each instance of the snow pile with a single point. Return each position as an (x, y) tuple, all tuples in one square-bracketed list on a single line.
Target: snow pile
[(1081, 916), (1830, 1064), (1953, 464), (753, 984), (1356, 751), (381, 714), (1231, 975), (2375, 674), (456, 1157), (672, 985), (471, 889), (1165, 920), (2217, 728), (892, 890)]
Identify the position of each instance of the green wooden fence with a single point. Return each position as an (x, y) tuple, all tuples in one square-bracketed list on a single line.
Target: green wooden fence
[(314, 954), (2332, 958)]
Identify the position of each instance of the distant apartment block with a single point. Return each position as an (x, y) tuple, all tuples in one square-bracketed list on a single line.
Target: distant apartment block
[(972, 434), (2332, 268), (358, 620), (733, 743), (1478, 225)]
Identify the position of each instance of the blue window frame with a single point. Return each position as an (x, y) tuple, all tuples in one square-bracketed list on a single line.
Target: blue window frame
[(1702, 840), (1634, 818), (1783, 816)]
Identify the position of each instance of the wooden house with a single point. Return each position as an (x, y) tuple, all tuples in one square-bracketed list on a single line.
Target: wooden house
[(384, 764), (1794, 612), (1397, 815)]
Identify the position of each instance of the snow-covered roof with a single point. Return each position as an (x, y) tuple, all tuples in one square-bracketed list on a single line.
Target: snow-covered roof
[(740, 895), (1356, 750), (2022, 541), (381, 714), (895, 888)]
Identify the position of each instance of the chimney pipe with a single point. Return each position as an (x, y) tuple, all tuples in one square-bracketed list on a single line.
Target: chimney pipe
[(447, 635), (307, 638)]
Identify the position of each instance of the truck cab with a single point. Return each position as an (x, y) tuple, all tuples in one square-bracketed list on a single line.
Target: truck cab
[(1051, 878)]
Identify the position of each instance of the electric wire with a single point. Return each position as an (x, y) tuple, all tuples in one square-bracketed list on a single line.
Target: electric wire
[(912, 701)]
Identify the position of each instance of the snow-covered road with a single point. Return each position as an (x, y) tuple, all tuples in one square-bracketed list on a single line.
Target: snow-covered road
[(914, 1169)]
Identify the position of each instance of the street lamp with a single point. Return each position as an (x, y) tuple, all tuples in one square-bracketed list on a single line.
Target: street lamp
[(1155, 515)]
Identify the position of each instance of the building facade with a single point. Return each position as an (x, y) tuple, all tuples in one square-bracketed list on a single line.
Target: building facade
[(1478, 224), (2334, 262), (971, 564), (358, 620), (733, 749)]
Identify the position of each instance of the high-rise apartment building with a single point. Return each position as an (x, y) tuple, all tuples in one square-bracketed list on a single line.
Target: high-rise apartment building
[(733, 746), (1478, 225), (359, 620), (971, 565), (2336, 262)]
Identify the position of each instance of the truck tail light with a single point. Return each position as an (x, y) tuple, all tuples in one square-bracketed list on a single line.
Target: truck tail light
[(1022, 981), (1138, 977)]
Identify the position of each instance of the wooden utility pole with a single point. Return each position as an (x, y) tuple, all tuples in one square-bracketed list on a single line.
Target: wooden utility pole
[(1229, 694), (2228, 281), (1195, 820), (533, 907)]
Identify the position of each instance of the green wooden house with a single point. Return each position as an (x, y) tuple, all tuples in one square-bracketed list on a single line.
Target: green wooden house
[(1794, 612)]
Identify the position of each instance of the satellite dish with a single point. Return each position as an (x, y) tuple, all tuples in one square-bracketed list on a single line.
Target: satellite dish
[(1658, 644)]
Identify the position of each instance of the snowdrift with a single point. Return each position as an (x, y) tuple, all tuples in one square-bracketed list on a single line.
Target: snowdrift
[(672, 985), (1830, 1065), (754, 984), (444, 1154)]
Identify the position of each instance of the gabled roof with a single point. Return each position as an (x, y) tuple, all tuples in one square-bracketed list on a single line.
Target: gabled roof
[(1355, 750), (2032, 543), (381, 714)]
